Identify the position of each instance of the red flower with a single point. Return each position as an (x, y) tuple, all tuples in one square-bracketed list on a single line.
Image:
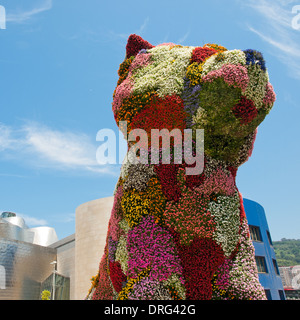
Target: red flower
[(161, 113), (233, 170), (193, 181), (245, 110), (200, 54), (200, 261), (103, 290), (242, 210), (167, 174), (116, 275), (136, 43)]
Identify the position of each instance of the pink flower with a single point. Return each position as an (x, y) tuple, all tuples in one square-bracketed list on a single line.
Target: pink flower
[(218, 183), (141, 60), (116, 215), (148, 244), (270, 96), (124, 90), (171, 44), (234, 75), (189, 216)]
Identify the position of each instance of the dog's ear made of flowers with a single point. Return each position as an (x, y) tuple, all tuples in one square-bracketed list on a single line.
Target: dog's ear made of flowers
[(135, 44)]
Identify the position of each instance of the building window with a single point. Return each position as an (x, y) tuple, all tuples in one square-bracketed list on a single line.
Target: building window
[(275, 266), (269, 238), (255, 233), (268, 294), (281, 295), (261, 264), (58, 285)]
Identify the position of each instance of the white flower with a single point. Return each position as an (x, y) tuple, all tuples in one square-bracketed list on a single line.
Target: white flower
[(121, 254), (200, 118), (235, 56), (166, 71), (226, 213), (256, 89), (129, 159), (175, 281)]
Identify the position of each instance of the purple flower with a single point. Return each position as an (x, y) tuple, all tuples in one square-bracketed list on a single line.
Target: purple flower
[(142, 51)]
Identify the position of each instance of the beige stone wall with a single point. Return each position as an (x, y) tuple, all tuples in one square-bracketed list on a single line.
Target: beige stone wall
[(91, 228)]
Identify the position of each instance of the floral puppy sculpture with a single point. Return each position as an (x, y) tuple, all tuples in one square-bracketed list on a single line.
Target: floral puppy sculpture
[(173, 235)]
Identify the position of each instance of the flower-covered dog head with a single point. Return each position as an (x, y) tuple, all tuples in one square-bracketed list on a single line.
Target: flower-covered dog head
[(225, 92)]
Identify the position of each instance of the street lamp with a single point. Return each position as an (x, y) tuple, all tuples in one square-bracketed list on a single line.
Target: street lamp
[(53, 283)]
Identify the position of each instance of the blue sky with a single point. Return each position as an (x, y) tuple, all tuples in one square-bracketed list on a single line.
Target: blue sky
[(59, 62)]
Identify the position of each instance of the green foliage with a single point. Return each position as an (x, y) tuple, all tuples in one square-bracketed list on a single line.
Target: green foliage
[(46, 295), (217, 99), (287, 252), (224, 134)]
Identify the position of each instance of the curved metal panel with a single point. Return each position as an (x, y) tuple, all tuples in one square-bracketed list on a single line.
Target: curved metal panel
[(44, 236), (14, 232), (17, 221)]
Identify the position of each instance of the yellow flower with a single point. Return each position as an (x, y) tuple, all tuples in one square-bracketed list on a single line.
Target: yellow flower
[(136, 204), (193, 73), (215, 46), (123, 295)]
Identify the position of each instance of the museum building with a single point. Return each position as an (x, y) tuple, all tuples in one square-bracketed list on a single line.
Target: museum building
[(33, 259)]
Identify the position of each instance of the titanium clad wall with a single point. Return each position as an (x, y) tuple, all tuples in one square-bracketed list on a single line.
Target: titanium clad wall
[(17, 221), (14, 228), (44, 236), (23, 267), (14, 232)]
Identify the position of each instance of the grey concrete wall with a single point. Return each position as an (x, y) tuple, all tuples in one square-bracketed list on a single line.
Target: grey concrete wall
[(91, 228)]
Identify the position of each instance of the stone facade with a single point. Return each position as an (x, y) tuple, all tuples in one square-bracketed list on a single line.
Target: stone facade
[(91, 227)]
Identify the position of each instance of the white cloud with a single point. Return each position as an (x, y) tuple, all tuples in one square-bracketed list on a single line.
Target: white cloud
[(105, 35), (5, 137), (292, 49), (275, 28), (64, 218), (32, 221), (143, 26), (66, 148), (124, 36), (43, 147), (12, 175), (273, 10), (184, 37), (24, 15)]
